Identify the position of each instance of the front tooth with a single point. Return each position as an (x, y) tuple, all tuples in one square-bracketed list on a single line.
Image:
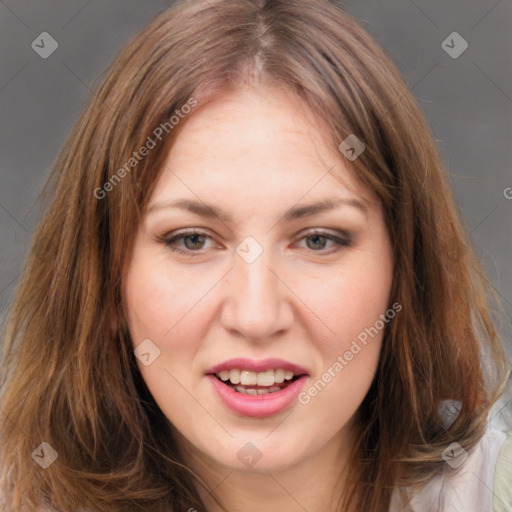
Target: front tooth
[(266, 378), (224, 375), (240, 389), (273, 389), (248, 378), (263, 391), (251, 391), (234, 376), (279, 376), (288, 374)]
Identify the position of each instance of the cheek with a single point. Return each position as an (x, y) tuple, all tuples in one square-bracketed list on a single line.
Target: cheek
[(159, 302), (351, 306), (165, 308), (349, 358), (348, 302)]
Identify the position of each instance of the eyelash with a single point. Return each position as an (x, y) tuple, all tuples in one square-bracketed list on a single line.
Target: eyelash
[(168, 241)]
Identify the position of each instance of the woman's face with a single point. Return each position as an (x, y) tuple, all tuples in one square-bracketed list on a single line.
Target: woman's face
[(261, 333)]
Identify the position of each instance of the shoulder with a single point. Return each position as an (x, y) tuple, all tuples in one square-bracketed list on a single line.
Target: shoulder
[(502, 501), (482, 479)]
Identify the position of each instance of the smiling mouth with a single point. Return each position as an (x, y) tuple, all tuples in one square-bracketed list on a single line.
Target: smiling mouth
[(256, 383)]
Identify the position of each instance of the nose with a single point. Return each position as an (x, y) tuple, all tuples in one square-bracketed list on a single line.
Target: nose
[(258, 302)]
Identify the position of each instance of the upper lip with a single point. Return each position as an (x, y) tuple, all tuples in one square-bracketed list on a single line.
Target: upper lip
[(241, 363)]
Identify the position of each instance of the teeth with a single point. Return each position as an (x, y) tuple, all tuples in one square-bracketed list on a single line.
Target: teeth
[(279, 376), (234, 376), (249, 391), (248, 378), (267, 378)]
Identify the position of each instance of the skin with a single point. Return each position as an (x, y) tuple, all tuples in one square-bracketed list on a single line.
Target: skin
[(255, 153)]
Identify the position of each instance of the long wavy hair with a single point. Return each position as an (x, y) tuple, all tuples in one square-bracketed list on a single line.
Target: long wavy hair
[(68, 372)]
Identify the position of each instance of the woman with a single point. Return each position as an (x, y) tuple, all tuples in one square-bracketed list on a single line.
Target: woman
[(251, 290)]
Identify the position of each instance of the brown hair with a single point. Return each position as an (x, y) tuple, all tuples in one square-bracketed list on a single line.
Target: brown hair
[(69, 378)]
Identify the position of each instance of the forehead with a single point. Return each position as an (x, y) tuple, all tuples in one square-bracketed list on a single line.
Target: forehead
[(253, 144)]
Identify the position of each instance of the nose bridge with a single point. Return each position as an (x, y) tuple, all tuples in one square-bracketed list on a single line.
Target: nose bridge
[(259, 283), (257, 306)]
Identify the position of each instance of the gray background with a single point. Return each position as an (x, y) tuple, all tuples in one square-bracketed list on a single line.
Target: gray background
[(467, 101)]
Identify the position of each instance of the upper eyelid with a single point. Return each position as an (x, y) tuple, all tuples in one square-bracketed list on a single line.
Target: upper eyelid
[(308, 231), (183, 234)]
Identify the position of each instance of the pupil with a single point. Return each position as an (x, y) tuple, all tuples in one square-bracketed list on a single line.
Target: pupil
[(195, 241), (316, 238)]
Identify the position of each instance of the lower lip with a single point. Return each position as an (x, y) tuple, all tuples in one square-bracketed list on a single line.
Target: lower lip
[(258, 406)]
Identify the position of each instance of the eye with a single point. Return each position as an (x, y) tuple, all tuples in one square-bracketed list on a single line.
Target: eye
[(318, 240), (186, 242)]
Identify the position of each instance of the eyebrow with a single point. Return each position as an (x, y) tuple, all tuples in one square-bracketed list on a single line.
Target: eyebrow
[(296, 212)]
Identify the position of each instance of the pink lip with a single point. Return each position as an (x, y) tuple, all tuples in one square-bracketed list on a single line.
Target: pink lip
[(257, 366), (258, 406)]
